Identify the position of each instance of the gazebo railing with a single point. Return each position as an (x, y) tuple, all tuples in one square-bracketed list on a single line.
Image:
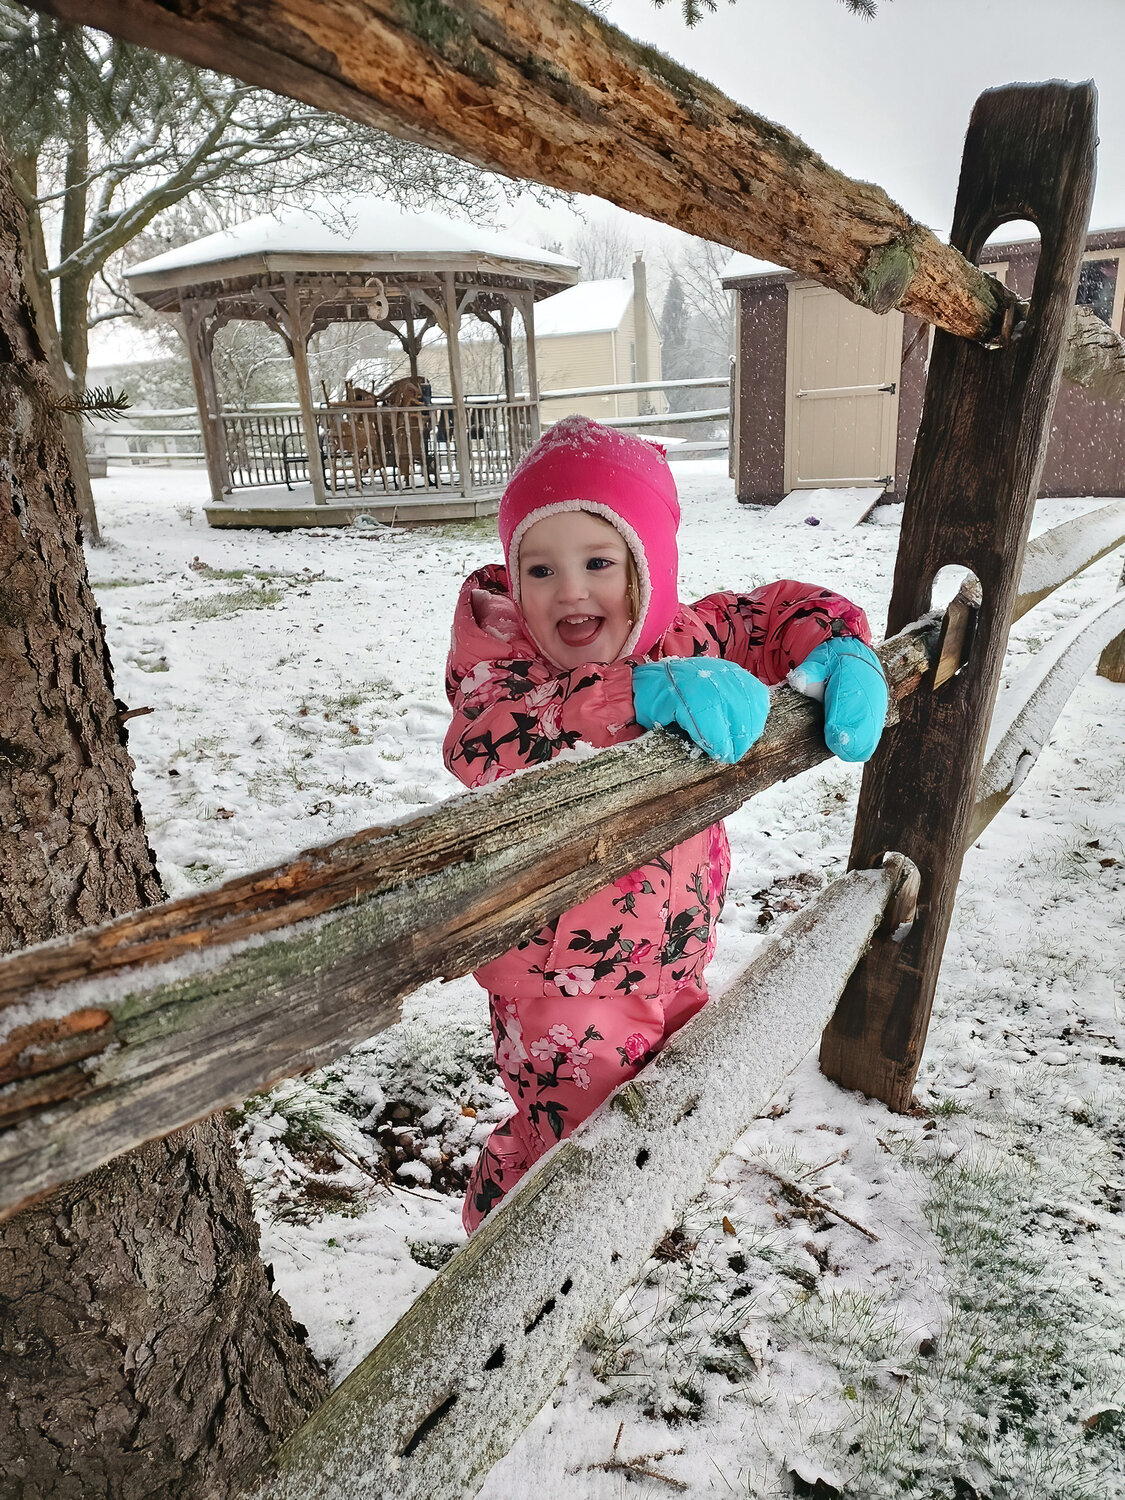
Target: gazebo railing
[(366, 450), (500, 433), (263, 448)]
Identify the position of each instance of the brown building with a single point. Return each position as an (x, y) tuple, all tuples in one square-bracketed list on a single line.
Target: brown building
[(827, 394)]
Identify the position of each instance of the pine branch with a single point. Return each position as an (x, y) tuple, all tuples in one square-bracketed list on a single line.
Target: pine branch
[(95, 401)]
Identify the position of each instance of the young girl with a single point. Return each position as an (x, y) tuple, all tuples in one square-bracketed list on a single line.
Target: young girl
[(582, 637)]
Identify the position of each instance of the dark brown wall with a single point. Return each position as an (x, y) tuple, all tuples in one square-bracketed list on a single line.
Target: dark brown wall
[(761, 417)]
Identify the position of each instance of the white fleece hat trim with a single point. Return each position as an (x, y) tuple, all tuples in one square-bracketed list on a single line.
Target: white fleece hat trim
[(632, 541)]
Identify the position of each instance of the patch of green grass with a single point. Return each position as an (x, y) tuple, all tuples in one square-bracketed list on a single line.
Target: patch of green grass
[(996, 1408), (276, 782), (949, 1106), (120, 583), (210, 748), (224, 602), (376, 693), (478, 529)]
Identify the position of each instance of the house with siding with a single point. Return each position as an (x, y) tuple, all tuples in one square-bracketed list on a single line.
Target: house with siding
[(587, 335), (828, 394)]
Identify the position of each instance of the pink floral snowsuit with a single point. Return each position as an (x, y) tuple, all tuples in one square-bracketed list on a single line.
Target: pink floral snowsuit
[(581, 1006)]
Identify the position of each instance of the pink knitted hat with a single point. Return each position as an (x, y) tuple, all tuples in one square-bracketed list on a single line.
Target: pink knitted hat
[(580, 465)]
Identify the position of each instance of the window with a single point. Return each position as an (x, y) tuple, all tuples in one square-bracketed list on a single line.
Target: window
[(633, 364), (1097, 287)]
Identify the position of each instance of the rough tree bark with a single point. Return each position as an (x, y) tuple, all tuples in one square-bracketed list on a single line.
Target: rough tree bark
[(142, 1352)]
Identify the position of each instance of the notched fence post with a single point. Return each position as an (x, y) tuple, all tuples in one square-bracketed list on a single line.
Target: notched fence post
[(1029, 154)]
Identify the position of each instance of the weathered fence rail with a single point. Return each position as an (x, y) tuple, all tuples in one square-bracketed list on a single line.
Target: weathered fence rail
[(550, 92), (458, 1378), (1019, 731)]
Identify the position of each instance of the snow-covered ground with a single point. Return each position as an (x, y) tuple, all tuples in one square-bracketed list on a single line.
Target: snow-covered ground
[(966, 1339)]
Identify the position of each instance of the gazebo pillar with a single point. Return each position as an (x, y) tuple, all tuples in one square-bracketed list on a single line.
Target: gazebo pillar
[(298, 330), (457, 383), (513, 425), (527, 313), (200, 347)]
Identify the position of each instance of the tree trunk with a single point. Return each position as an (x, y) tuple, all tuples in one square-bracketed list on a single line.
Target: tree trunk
[(74, 286), (37, 288), (142, 1352)]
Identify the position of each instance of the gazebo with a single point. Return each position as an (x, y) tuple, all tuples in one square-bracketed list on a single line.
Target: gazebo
[(396, 453)]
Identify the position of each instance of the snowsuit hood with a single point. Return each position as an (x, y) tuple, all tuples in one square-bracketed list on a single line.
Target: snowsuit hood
[(581, 465)]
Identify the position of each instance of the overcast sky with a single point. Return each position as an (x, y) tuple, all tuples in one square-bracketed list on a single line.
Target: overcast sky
[(888, 100)]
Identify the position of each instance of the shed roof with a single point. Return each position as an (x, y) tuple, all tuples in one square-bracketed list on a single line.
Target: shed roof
[(376, 235), (740, 266), (589, 307)]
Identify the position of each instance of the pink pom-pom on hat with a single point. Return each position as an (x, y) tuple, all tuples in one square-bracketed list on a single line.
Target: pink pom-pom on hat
[(580, 465)]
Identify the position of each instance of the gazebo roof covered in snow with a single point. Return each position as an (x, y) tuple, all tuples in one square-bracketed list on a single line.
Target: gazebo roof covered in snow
[(368, 236)]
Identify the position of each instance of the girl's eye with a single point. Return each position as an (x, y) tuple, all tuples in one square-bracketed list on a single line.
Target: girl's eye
[(539, 570), (596, 564)]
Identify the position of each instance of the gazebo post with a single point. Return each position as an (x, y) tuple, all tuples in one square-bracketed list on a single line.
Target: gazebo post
[(206, 397), (509, 382), (527, 313), (297, 339), (411, 343), (456, 383)]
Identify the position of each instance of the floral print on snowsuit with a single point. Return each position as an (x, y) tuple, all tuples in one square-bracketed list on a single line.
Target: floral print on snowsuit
[(580, 1007)]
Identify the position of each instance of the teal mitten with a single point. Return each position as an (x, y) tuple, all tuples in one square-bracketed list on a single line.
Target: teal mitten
[(717, 703), (848, 676)]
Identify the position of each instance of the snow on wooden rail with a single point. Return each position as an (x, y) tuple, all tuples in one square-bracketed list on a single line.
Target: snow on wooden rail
[(125, 1032), (550, 92), (1058, 555), (459, 1377), (1037, 697)]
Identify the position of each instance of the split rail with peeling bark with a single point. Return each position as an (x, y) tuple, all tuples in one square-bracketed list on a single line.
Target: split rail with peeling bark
[(126, 1032), (550, 92)]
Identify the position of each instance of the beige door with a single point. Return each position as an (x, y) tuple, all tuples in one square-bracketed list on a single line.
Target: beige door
[(841, 391)]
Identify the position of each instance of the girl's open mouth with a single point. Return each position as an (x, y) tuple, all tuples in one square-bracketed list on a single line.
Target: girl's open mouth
[(579, 630)]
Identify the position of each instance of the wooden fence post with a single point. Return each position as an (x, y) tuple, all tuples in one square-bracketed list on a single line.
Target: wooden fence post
[(1029, 154)]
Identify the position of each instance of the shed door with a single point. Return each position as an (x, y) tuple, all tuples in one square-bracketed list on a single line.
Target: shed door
[(841, 407)]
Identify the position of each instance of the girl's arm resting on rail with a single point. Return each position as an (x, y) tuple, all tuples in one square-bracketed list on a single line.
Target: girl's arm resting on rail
[(772, 629), (515, 713)]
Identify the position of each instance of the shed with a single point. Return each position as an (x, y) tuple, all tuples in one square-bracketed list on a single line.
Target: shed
[(395, 453), (828, 394)]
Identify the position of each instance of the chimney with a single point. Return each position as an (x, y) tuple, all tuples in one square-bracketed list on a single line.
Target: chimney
[(640, 329)]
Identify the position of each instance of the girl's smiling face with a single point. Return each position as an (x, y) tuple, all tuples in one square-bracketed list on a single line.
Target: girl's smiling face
[(574, 588)]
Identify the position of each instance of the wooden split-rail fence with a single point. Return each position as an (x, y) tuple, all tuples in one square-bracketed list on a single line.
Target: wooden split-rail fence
[(123, 1033)]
